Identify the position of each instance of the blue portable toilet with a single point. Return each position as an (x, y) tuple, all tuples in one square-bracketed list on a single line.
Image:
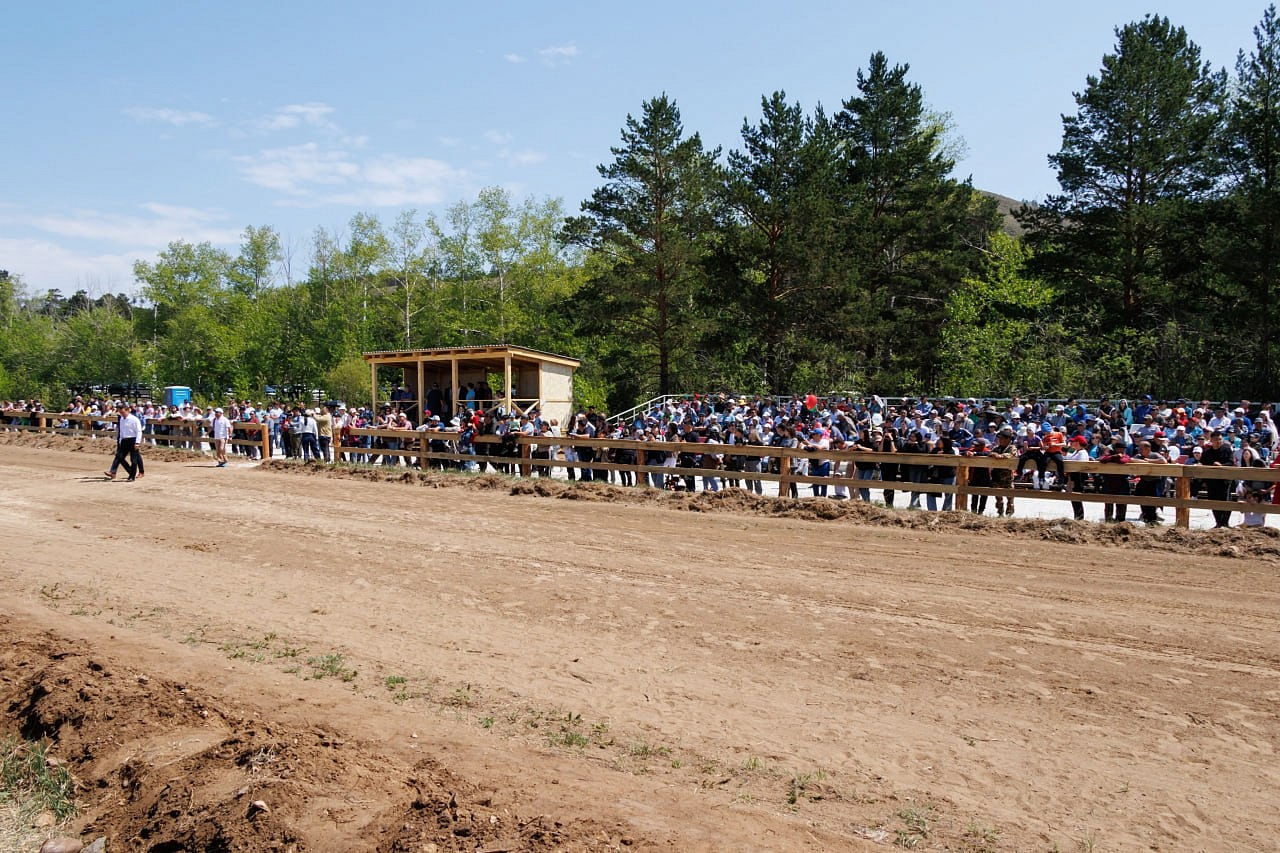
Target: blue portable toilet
[(176, 395)]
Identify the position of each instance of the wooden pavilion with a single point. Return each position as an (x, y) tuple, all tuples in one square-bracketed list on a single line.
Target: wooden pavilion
[(530, 379)]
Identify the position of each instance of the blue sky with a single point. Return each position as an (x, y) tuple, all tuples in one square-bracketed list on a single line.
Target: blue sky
[(133, 124)]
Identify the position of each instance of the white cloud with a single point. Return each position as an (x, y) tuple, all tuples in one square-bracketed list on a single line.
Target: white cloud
[(177, 118), (558, 55), (524, 158), (497, 137), (311, 175), (514, 58), (295, 168), (165, 224), (312, 113), (45, 265)]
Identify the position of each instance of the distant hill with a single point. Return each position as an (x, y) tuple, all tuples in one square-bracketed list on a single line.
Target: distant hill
[(1007, 206)]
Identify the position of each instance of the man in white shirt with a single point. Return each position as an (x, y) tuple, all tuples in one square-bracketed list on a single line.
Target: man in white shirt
[(221, 428), (128, 433)]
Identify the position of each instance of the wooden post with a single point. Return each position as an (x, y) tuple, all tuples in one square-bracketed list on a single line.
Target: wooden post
[(784, 475), (1182, 491), (264, 433), (422, 392), (456, 396), (962, 488), (373, 386), (506, 384)]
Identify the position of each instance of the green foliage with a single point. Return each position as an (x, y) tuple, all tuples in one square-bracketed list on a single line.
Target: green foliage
[(1000, 336), (651, 221), (348, 380)]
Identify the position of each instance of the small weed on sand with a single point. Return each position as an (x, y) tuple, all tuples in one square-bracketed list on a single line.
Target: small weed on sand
[(331, 666), (918, 820), (980, 838)]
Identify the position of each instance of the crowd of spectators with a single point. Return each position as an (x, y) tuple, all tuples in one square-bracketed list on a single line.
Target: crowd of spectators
[(1040, 436)]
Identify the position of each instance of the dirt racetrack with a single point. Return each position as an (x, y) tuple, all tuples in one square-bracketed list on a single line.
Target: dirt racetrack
[(405, 667)]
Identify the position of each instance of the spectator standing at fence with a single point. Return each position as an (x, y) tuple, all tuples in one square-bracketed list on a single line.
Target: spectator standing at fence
[(1218, 455), (864, 471), (324, 431), (128, 434), (1002, 478), (1115, 484), (220, 428), (819, 465), (1079, 453), (884, 441), (915, 473), (979, 478), (944, 475), (304, 426), (751, 464)]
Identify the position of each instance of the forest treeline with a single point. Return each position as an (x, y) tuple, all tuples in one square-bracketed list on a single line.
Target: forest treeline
[(827, 251)]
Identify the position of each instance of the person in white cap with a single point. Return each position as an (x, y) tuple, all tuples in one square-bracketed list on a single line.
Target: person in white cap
[(221, 435)]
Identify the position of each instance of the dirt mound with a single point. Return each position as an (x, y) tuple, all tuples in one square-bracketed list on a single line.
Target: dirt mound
[(165, 766), (1257, 543), (85, 444)]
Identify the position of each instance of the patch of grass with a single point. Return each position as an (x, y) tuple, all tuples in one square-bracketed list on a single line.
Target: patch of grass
[(801, 781), (568, 737), (33, 780), (919, 824), (52, 592), (331, 666), (980, 838), (568, 732), (394, 681), (486, 722), (461, 698), (233, 651), (264, 643), (288, 651), (644, 749)]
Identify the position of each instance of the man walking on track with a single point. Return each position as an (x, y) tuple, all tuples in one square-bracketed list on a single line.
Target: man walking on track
[(221, 435), (128, 433)]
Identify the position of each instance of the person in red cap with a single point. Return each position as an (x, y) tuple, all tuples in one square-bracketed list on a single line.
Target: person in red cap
[(1079, 453)]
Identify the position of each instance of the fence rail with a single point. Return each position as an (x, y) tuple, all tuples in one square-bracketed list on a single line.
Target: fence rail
[(189, 432), (416, 445)]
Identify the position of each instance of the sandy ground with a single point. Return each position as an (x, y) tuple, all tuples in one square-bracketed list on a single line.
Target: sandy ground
[(404, 666)]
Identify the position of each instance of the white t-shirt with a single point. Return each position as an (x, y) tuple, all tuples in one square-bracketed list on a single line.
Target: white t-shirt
[(221, 427)]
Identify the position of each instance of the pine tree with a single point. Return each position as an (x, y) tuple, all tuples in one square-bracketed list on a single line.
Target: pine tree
[(1142, 148), (1254, 140), (910, 228), (646, 226), (774, 265)]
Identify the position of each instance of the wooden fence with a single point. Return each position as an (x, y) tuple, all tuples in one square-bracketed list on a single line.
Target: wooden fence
[(182, 432), (649, 455), (415, 446)]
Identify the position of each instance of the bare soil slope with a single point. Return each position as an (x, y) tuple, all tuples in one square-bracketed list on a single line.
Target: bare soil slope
[(411, 667)]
